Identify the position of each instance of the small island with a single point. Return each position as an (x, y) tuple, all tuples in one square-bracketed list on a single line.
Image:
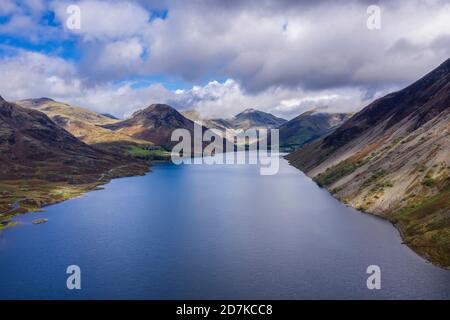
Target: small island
[(39, 221)]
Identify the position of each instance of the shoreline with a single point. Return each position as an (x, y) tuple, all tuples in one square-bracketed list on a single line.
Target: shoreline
[(6, 217), (80, 190), (397, 226)]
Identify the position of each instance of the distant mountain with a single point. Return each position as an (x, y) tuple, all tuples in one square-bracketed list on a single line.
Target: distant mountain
[(307, 127), (392, 158), (251, 118), (247, 119), (154, 124), (32, 146), (218, 125), (85, 125), (108, 115)]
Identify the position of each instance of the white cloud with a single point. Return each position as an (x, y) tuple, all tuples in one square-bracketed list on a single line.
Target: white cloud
[(33, 75), (8, 7), (101, 20), (30, 74), (224, 100), (283, 56), (113, 60), (322, 46), (263, 44)]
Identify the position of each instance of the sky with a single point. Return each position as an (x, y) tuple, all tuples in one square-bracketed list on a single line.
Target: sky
[(218, 57)]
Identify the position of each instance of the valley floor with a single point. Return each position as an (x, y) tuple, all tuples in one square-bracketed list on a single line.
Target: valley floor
[(28, 195)]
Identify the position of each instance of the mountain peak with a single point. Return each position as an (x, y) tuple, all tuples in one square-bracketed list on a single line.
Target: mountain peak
[(445, 64), (249, 110), (156, 108), (154, 124), (45, 99), (252, 118), (40, 100), (160, 106)]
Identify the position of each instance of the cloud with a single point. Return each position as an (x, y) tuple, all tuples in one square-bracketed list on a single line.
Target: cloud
[(114, 60), (280, 56), (327, 45), (30, 74), (264, 43), (105, 20), (224, 100)]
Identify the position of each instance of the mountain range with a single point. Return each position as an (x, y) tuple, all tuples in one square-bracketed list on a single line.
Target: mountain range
[(247, 119), (255, 119), (392, 159), (29, 139), (154, 124), (307, 127), (86, 125), (293, 133)]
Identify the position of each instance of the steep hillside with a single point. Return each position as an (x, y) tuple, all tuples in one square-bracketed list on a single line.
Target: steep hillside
[(86, 125), (41, 163), (54, 108), (307, 127), (108, 115), (251, 118), (247, 119), (153, 124), (218, 125), (392, 159)]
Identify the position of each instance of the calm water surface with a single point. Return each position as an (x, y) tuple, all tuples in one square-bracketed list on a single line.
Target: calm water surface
[(211, 232)]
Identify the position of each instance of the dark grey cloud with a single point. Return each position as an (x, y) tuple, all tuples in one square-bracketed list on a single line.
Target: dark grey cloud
[(282, 55), (310, 44), (316, 45)]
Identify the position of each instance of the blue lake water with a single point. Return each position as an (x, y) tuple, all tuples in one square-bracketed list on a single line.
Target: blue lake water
[(211, 232)]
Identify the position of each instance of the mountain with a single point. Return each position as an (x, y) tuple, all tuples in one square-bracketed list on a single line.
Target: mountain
[(218, 125), (307, 127), (29, 140), (85, 125), (67, 112), (247, 119), (255, 119), (41, 163), (108, 115), (392, 159), (153, 124)]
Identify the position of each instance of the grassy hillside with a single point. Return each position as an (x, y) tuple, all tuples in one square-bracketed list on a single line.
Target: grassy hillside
[(307, 127), (87, 126)]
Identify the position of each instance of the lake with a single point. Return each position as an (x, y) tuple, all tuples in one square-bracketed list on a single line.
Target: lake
[(211, 232)]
